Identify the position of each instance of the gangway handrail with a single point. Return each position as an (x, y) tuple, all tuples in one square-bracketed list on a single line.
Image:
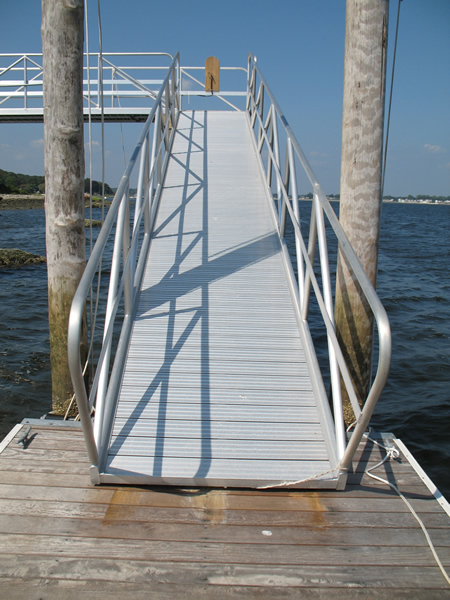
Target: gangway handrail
[(130, 249), (265, 121)]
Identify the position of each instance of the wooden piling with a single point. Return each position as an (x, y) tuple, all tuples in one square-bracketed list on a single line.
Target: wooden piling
[(361, 167), (62, 46)]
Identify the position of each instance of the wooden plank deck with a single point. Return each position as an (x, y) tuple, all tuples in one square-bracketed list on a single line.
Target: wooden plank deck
[(61, 537), (217, 388)]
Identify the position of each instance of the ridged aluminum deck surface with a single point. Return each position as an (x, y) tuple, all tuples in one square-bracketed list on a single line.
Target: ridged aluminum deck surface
[(216, 389)]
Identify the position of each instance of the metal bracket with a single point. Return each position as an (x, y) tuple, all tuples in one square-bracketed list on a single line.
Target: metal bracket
[(24, 439)]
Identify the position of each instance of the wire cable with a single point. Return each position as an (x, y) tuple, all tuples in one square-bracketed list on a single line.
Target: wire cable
[(86, 20), (102, 104), (390, 100)]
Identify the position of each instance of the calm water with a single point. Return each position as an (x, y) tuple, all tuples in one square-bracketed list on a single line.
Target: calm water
[(413, 284)]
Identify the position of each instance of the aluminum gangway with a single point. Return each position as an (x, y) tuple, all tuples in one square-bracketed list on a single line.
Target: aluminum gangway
[(208, 373)]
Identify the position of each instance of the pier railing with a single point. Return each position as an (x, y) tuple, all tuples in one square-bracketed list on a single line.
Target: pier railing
[(117, 86), (131, 243), (281, 166)]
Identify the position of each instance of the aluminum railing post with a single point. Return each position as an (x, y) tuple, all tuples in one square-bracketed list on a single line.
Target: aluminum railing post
[(276, 150), (25, 82), (147, 190), (328, 297), (112, 293), (128, 289), (294, 195), (312, 239)]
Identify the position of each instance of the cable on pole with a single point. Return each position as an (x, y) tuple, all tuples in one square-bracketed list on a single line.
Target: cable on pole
[(390, 100)]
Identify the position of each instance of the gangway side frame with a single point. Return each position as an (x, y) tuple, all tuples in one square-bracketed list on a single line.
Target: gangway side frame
[(317, 382), (127, 267), (264, 121)]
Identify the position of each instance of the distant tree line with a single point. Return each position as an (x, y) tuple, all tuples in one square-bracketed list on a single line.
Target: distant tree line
[(97, 188), (18, 183)]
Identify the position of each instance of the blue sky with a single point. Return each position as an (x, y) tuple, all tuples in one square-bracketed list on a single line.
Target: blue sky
[(300, 49)]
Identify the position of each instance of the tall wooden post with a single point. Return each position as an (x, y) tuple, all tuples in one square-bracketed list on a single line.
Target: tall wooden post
[(360, 205), (62, 46)]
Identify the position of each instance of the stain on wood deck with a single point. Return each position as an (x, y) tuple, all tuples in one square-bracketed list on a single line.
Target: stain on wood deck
[(61, 537)]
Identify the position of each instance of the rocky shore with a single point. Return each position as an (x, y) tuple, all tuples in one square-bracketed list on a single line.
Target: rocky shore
[(13, 257), (17, 202)]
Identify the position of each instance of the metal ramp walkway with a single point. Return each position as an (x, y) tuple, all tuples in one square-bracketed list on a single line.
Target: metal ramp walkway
[(216, 389), (214, 379)]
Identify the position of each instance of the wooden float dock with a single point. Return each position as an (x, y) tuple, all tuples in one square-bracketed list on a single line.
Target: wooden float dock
[(62, 537)]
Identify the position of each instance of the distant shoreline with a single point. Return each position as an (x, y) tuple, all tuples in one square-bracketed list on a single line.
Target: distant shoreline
[(28, 202), (445, 203)]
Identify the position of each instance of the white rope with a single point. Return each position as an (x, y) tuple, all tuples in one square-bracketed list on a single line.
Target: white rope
[(291, 483), (394, 453), (390, 453)]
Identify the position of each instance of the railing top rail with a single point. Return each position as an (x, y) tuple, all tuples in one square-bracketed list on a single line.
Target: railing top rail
[(202, 68)]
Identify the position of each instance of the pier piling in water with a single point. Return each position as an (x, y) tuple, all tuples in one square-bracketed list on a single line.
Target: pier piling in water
[(361, 195), (62, 45)]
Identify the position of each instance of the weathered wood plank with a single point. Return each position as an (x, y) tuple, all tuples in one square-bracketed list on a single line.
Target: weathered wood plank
[(139, 573), (219, 533), (210, 515), (33, 589), (42, 466), (77, 488), (219, 553)]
